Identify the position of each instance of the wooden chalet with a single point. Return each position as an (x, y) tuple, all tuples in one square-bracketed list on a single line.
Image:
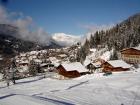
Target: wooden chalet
[(131, 55), (72, 70), (115, 65)]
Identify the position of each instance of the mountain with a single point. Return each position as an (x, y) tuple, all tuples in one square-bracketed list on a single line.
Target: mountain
[(65, 39), (10, 43), (124, 35)]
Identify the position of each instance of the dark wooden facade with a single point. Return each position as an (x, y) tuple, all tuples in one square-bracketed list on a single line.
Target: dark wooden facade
[(131, 55), (70, 74), (108, 67), (91, 67)]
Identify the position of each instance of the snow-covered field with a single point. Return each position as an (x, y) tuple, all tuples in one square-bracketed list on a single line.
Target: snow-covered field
[(121, 88)]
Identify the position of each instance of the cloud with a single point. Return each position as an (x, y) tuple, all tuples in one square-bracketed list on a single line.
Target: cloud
[(27, 28), (29, 31)]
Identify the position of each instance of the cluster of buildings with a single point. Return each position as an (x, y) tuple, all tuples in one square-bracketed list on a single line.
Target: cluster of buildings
[(59, 61), (46, 60), (129, 57)]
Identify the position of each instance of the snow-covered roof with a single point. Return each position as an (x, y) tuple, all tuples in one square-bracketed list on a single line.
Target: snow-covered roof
[(34, 56), (97, 64), (74, 66), (52, 58), (93, 49), (37, 61), (1, 58), (62, 55), (56, 64), (119, 63), (1, 76), (33, 52), (43, 64), (23, 62), (106, 56), (137, 48), (86, 62), (23, 69), (22, 54), (7, 41), (43, 51)]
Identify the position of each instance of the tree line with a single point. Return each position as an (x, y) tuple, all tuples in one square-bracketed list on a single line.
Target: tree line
[(123, 35)]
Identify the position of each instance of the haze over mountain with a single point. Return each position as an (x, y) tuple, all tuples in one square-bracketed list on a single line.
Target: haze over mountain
[(65, 39), (23, 27)]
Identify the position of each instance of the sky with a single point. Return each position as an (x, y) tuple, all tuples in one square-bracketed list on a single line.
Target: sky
[(75, 17)]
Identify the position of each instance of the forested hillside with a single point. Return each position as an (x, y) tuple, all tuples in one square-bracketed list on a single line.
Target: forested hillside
[(123, 35)]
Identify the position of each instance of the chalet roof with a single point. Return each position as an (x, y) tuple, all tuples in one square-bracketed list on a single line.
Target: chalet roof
[(74, 66), (37, 61), (136, 48), (92, 50), (24, 62), (22, 54), (97, 64), (1, 58), (87, 62), (33, 52), (119, 63), (43, 64), (1, 76), (62, 55)]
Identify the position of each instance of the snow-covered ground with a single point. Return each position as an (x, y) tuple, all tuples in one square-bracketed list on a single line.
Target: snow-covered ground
[(95, 89)]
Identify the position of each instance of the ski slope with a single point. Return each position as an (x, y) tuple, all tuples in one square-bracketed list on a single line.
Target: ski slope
[(95, 89)]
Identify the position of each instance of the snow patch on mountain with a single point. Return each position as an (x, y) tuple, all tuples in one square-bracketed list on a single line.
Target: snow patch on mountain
[(66, 39)]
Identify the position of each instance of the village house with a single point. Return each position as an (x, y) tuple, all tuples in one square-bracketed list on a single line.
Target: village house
[(61, 56), (131, 55), (23, 63), (47, 67), (1, 76), (93, 65), (115, 65), (72, 70)]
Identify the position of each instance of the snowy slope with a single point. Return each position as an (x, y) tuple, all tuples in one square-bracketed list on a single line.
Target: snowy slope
[(94, 89), (65, 39)]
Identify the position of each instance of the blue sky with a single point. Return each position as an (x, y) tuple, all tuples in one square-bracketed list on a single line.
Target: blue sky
[(72, 16)]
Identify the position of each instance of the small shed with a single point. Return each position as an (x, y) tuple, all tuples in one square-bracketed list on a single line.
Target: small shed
[(115, 65), (72, 70)]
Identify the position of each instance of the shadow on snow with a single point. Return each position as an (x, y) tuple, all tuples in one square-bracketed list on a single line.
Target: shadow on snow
[(52, 100), (9, 95), (81, 83)]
